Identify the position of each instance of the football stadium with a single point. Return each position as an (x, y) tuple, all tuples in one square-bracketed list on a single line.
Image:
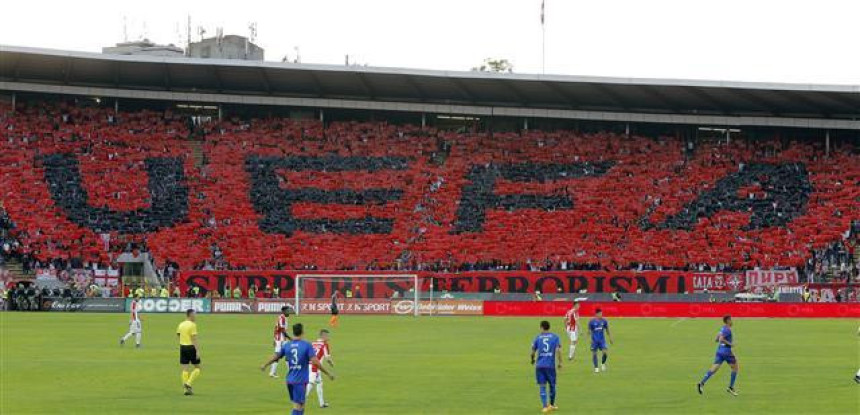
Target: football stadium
[(196, 229)]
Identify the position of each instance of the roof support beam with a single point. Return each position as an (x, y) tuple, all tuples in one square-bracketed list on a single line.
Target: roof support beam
[(848, 105), (67, 70), (167, 81), (419, 91), (219, 85), (265, 78), (318, 88), (116, 67), (366, 85), (464, 90), (511, 86), (671, 103), (715, 104), (851, 106), (762, 102), (613, 96), (564, 95), (806, 101), (16, 69)]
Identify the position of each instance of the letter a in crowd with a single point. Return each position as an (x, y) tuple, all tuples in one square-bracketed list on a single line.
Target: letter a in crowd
[(275, 202)]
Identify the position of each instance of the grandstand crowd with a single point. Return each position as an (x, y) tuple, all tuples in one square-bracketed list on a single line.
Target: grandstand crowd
[(82, 184)]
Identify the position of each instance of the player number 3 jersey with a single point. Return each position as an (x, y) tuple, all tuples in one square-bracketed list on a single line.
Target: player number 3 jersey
[(298, 354)]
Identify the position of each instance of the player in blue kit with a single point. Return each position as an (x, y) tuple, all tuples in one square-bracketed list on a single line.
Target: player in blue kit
[(547, 347), (299, 354), (598, 327), (724, 354)]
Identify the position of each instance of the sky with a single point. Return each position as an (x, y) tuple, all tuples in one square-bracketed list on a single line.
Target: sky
[(795, 41)]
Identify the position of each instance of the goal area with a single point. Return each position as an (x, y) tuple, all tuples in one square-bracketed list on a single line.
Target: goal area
[(357, 293)]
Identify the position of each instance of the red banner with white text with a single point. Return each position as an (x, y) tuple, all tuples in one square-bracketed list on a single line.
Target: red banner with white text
[(717, 281), (474, 281), (664, 309), (757, 279)]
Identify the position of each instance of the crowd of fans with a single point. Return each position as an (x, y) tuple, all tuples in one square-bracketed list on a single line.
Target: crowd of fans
[(82, 185)]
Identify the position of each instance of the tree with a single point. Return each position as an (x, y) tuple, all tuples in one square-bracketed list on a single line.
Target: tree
[(495, 65)]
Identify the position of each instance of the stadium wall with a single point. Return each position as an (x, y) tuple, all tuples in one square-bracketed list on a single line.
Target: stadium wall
[(453, 307)]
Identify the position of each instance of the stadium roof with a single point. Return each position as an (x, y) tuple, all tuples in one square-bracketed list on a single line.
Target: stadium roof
[(476, 93)]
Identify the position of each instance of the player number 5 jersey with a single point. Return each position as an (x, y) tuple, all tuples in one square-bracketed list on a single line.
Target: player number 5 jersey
[(545, 345)]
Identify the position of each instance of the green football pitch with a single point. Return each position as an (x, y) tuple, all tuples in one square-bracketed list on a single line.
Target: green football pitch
[(72, 363)]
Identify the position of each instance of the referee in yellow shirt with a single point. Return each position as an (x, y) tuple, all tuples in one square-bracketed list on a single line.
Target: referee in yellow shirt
[(188, 349)]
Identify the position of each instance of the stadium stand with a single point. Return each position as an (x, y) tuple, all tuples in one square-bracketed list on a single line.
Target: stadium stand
[(281, 193)]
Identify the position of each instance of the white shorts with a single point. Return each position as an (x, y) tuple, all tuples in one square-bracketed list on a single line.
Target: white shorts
[(277, 346), (315, 377), (572, 334), (135, 327)]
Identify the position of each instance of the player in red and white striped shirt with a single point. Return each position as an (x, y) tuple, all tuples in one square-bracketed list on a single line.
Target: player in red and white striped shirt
[(323, 353), (571, 327), (134, 326), (280, 337)]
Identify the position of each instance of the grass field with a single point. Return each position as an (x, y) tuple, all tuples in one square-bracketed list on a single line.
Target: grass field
[(72, 363)]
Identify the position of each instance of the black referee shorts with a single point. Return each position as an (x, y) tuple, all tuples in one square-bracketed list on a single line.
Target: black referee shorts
[(334, 310), (188, 354)]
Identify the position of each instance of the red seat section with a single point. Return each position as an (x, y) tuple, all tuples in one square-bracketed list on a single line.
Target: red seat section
[(294, 194)]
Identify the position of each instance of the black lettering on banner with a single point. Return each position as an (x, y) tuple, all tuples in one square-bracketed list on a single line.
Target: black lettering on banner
[(167, 189), (488, 284), (786, 188), (539, 284), (598, 284), (517, 284), (621, 284), (275, 202), (456, 283), (658, 287), (478, 196), (577, 284)]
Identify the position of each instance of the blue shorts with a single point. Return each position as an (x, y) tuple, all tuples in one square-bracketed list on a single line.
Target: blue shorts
[(545, 375), (598, 345), (297, 392), (727, 357)]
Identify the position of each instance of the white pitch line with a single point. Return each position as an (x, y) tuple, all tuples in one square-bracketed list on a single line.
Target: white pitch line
[(678, 322)]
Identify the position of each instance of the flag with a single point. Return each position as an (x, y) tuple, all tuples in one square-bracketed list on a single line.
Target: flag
[(542, 9)]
